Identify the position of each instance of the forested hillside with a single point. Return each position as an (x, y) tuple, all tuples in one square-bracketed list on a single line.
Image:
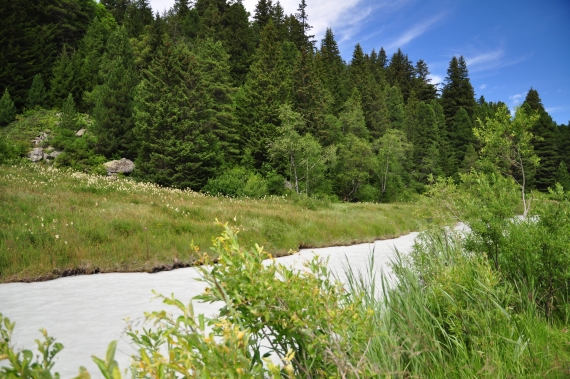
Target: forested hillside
[(208, 98)]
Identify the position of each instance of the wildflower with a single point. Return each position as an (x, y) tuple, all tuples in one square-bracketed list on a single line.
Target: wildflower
[(57, 236)]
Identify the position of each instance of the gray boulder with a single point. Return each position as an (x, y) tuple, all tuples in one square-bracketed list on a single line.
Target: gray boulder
[(122, 166), (52, 155), (36, 155)]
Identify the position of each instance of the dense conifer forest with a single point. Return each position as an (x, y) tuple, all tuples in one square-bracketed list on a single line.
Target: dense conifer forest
[(206, 97)]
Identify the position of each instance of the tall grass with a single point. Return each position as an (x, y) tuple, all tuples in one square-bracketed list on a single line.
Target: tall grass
[(450, 315), (58, 222)]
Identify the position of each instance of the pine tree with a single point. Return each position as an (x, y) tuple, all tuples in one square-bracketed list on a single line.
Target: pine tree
[(410, 118), (469, 160), (178, 146), (68, 118), (138, 16), (545, 142), (7, 109), (458, 91), (37, 94), (114, 99)]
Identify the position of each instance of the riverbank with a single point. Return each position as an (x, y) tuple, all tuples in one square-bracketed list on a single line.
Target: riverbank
[(59, 223)]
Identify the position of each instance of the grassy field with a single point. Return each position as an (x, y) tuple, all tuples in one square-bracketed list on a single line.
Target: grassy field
[(57, 223)]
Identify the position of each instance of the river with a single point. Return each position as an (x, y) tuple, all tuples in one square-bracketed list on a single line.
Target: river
[(85, 313)]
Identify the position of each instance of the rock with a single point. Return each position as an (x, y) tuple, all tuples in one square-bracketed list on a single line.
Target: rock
[(123, 166), (80, 132), (52, 155), (36, 155), (40, 138)]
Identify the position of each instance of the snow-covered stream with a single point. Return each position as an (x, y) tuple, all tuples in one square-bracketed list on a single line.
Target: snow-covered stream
[(85, 313)]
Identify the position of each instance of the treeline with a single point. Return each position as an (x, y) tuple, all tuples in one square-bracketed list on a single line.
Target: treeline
[(202, 97)]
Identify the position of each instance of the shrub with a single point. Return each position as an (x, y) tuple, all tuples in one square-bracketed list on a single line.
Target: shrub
[(237, 182)]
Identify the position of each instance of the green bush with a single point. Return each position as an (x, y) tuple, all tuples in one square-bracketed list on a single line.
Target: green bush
[(237, 182)]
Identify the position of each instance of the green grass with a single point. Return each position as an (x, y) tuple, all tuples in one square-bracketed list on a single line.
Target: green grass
[(58, 222)]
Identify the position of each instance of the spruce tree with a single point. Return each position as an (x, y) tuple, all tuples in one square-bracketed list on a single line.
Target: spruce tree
[(332, 70), (425, 140), (545, 142), (114, 99), (461, 136), (37, 94), (68, 115), (178, 146), (395, 103), (238, 39), (65, 78), (7, 109), (425, 91), (352, 117), (401, 73), (458, 91), (562, 176), (259, 100), (306, 41)]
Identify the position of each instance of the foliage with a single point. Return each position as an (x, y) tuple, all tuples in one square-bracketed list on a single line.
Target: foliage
[(7, 109), (37, 95), (237, 182), (507, 146), (68, 119)]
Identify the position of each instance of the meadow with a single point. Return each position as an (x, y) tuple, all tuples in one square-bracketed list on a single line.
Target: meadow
[(58, 222)]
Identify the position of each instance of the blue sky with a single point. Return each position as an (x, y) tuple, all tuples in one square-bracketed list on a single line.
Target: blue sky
[(509, 46)]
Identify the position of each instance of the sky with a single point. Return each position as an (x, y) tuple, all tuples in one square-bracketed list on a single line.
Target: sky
[(509, 46)]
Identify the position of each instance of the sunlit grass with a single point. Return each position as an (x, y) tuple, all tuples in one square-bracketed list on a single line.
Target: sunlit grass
[(57, 222)]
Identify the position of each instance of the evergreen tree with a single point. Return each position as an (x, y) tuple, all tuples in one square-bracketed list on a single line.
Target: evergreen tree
[(64, 80), (352, 117), (37, 94), (7, 109), (332, 70), (545, 141), (401, 73), (469, 159), (309, 95), (259, 100), (306, 41), (410, 118), (138, 16), (68, 118), (91, 50), (425, 140), (461, 136), (425, 91), (262, 14), (395, 103), (118, 8), (178, 146), (562, 176), (458, 91), (114, 99), (238, 39)]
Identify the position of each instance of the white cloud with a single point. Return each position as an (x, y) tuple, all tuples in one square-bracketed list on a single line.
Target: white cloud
[(482, 86), (554, 109), (516, 99), (437, 80), (414, 32)]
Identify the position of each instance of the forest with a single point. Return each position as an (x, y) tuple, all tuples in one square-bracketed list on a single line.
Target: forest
[(208, 97)]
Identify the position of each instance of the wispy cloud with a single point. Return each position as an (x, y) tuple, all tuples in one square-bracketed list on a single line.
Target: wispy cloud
[(485, 58), (415, 31), (516, 99), (554, 109), (482, 86), (492, 59)]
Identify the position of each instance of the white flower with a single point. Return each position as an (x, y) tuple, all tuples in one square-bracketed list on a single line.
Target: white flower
[(56, 236)]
